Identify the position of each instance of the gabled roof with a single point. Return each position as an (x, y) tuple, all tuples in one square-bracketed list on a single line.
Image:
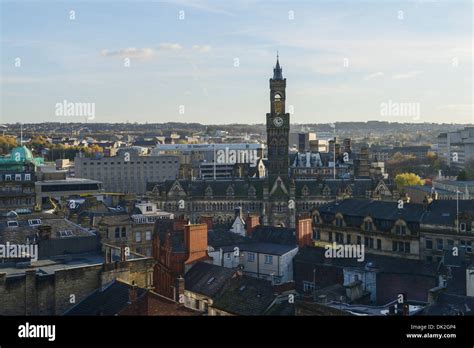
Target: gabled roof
[(207, 279), (108, 301), (381, 263), (443, 212), (244, 295), (274, 235), (447, 304)]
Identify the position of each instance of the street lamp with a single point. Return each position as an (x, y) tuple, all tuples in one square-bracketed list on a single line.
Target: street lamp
[(457, 209)]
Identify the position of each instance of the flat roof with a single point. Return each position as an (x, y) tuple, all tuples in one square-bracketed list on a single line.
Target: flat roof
[(68, 181)]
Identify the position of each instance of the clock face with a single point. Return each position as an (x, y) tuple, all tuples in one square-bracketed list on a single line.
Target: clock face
[(278, 121)]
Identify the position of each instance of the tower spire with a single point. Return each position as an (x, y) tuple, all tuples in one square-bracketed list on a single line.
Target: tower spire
[(278, 71)]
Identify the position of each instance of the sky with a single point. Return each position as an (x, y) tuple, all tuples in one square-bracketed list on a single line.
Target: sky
[(210, 61)]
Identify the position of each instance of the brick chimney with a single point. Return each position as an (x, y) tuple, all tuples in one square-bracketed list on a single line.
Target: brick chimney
[(156, 246), (123, 257), (304, 231), (206, 219), (107, 255), (179, 289), (251, 222), (44, 232), (195, 241), (179, 224), (132, 292)]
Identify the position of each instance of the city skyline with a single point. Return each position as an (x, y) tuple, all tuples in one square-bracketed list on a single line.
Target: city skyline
[(209, 62)]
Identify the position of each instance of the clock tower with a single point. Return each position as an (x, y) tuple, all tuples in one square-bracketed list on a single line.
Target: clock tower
[(278, 126)]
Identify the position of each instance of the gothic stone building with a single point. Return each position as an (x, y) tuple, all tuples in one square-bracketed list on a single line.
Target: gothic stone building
[(278, 197)]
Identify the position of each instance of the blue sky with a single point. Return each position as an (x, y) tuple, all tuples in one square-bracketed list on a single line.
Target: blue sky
[(416, 51)]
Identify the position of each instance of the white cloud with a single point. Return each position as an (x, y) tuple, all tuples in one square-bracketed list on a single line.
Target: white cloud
[(168, 46), (374, 75), (202, 48), (130, 52), (407, 75)]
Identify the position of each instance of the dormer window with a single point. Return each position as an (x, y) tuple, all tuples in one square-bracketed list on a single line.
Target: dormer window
[(339, 222), (252, 192), (368, 226), (326, 191), (401, 229), (305, 191), (208, 191)]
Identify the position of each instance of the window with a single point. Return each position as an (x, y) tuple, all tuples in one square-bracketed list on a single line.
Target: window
[(316, 234), (12, 223), (17, 177), (401, 229), (228, 255), (148, 235), (402, 247), (368, 226), (308, 286), (429, 243), (124, 232), (369, 242), (149, 208), (339, 238), (439, 244), (339, 222), (27, 177), (450, 242), (348, 238), (462, 227), (117, 232), (34, 222), (138, 237), (269, 259), (359, 240), (467, 245), (379, 244), (250, 257), (330, 236)]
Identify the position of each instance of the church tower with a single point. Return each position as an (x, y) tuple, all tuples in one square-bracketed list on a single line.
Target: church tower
[(278, 126)]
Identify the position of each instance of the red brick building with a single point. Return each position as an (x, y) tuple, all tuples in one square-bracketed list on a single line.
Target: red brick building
[(177, 245)]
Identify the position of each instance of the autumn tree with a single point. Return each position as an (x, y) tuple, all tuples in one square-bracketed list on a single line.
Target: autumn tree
[(407, 179)]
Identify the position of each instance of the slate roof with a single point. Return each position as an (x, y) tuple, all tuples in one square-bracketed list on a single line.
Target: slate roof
[(262, 248), (221, 238), (443, 212), (245, 295), (382, 263), (274, 235), (25, 231), (207, 279), (383, 213), (108, 301), (197, 188), (447, 304)]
